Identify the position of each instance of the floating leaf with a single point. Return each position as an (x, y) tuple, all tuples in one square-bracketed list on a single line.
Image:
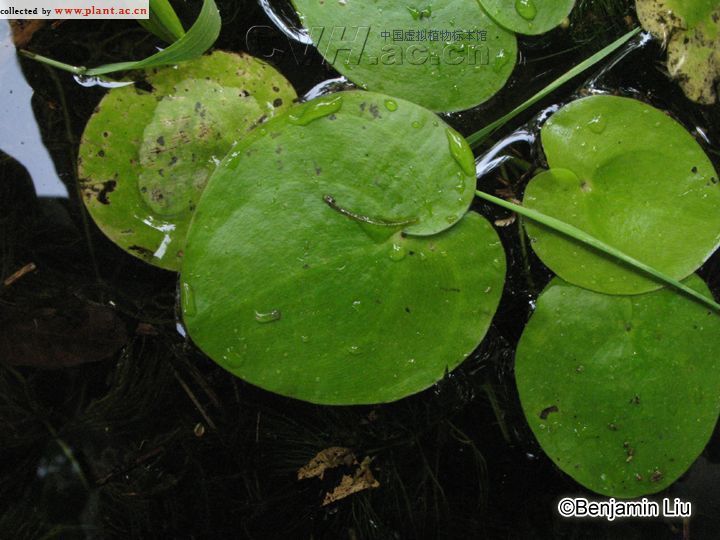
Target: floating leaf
[(446, 55), (146, 156), (691, 30), (528, 16), (620, 391), (333, 261), (611, 177)]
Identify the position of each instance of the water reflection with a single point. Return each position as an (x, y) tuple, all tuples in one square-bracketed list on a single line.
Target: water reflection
[(19, 133)]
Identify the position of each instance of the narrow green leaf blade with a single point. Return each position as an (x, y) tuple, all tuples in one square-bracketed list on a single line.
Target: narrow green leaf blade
[(585, 238), (201, 36), (479, 137), (163, 21)]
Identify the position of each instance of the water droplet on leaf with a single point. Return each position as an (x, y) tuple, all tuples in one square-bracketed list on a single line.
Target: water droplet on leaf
[(188, 300), (526, 9), (461, 152), (268, 317), (316, 109)]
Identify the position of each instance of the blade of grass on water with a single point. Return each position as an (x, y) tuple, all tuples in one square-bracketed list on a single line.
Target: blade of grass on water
[(479, 137), (585, 238), (201, 36)]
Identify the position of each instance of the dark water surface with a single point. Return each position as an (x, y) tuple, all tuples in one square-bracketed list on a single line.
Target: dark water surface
[(141, 436)]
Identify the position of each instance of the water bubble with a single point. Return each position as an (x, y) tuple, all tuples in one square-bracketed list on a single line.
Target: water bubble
[(268, 316), (526, 9), (315, 110)]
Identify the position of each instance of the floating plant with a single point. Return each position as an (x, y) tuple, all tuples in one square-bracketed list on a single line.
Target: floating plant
[(528, 16), (612, 176), (449, 54), (332, 258), (691, 31), (146, 156), (620, 391)]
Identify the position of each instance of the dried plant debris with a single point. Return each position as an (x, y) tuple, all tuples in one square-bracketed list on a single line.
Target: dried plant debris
[(361, 478), (330, 458), (691, 31)]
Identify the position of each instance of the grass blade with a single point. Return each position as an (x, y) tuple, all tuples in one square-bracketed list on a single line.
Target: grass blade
[(582, 236), (479, 137), (163, 21), (201, 36)]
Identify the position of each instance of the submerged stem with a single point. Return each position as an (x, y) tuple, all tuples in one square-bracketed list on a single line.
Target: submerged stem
[(585, 238)]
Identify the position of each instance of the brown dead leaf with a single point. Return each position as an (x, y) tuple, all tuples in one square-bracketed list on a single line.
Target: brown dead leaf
[(330, 458), (23, 30), (362, 479), (48, 337)]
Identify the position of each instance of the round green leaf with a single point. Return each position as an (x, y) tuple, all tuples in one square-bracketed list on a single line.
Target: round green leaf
[(620, 391), (528, 16), (446, 55), (145, 157), (331, 258), (612, 176)]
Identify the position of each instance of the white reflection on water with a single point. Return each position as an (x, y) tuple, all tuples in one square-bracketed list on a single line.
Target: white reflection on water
[(19, 133)]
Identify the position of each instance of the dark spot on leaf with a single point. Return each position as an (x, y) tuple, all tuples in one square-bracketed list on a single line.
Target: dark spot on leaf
[(656, 476), (635, 400), (108, 187), (278, 102), (161, 140), (407, 310), (142, 251), (101, 153), (546, 412)]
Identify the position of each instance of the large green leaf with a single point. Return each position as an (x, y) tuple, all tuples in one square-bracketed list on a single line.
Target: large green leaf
[(146, 156), (612, 176), (528, 16), (451, 55), (329, 259), (691, 30), (620, 391)]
